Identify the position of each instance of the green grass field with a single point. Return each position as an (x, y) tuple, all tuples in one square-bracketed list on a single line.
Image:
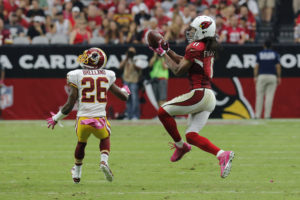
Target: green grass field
[(35, 162)]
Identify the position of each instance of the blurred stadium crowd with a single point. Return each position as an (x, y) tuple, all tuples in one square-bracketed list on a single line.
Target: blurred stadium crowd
[(126, 21)]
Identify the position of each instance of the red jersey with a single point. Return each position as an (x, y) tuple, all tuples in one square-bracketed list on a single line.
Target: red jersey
[(234, 34), (201, 71)]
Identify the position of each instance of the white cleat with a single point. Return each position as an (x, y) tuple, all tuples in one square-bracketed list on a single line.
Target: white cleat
[(106, 170), (76, 173)]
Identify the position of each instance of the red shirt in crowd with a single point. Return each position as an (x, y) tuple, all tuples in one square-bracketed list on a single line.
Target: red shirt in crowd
[(9, 7), (97, 19), (81, 38), (233, 35)]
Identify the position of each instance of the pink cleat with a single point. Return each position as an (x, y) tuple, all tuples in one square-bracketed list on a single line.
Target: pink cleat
[(179, 152), (225, 160)]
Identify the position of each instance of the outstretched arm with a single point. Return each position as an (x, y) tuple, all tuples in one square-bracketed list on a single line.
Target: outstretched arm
[(66, 109), (122, 93), (176, 58), (179, 68), (73, 96)]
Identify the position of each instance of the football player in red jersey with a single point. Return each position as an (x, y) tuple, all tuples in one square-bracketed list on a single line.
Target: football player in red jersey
[(200, 101)]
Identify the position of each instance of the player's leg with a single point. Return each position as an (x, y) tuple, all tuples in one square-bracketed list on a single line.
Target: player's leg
[(135, 101), (104, 135), (259, 96), (83, 133), (197, 122), (270, 91), (184, 104)]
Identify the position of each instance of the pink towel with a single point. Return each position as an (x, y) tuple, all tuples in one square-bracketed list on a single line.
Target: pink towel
[(96, 123)]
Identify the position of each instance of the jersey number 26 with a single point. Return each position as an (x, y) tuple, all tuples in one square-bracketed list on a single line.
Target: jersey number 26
[(94, 84)]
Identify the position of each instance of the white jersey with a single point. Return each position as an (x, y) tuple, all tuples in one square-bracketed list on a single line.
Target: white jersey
[(92, 90)]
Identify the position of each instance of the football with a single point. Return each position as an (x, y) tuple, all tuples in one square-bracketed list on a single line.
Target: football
[(153, 38)]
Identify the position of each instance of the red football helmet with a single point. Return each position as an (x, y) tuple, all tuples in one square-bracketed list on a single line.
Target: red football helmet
[(93, 58)]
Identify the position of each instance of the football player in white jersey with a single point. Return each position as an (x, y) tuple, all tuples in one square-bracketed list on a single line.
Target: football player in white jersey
[(89, 86)]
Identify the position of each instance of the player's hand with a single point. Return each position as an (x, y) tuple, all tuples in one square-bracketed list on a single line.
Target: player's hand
[(51, 123), (125, 88), (162, 48)]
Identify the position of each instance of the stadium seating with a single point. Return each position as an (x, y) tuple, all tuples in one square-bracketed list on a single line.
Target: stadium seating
[(21, 40), (59, 39), (97, 40), (40, 40)]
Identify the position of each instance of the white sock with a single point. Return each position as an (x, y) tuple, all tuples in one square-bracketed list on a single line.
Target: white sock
[(179, 144), (219, 153), (104, 157)]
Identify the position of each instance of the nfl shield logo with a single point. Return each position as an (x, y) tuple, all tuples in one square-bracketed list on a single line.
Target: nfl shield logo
[(6, 96)]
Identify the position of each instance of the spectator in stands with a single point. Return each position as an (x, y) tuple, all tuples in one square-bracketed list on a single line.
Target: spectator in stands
[(250, 26), (296, 6), (297, 29), (267, 76), (80, 35), (185, 15), (93, 14), (9, 6), (243, 25), (35, 10), (233, 34), (123, 18), (162, 19), (14, 27), (44, 5), (131, 77), (266, 9), (176, 31), (1, 10), (132, 35), (21, 19), (75, 16), (37, 28), (61, 26), (104, 28), (5, 37), (139, 5), (141, 19), (78, 3), (114, 35), (213, 11), (49, 24), (67, 9), (159, 78)]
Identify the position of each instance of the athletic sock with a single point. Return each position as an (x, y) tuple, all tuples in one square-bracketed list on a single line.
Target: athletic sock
[(202, 143), (169, 124), (219, 153), (179, 144), (104, 157)]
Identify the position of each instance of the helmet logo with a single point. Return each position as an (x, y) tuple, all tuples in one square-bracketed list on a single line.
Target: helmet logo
[(95, 58), (205, 24)]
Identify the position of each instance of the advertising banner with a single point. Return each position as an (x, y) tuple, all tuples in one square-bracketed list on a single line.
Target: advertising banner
[(35, 81)]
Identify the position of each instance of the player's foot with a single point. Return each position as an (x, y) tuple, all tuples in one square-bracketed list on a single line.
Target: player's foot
[(106, 170), (225, 160), (179, 152), (76, 173)]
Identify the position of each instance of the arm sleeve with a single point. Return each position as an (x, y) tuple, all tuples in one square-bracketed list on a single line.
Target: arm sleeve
[(111, 77), (191, 54), (72, 79)]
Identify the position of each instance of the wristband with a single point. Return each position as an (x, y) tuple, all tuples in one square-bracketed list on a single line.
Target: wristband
[(58, 116)]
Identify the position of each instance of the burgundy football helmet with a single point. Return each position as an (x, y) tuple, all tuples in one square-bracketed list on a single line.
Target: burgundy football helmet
[(93, 58)]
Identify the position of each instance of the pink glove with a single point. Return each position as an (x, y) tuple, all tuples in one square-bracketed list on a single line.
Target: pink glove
[(159, 50), (162, 48), (96, 123), (50, 121), (125, 87)]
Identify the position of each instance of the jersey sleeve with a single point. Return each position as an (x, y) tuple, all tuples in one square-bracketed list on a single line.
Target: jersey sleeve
[(72, 79), (111, 77), (193, 51)]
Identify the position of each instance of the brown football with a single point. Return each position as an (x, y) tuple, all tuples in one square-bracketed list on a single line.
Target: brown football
[(152, 38)]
